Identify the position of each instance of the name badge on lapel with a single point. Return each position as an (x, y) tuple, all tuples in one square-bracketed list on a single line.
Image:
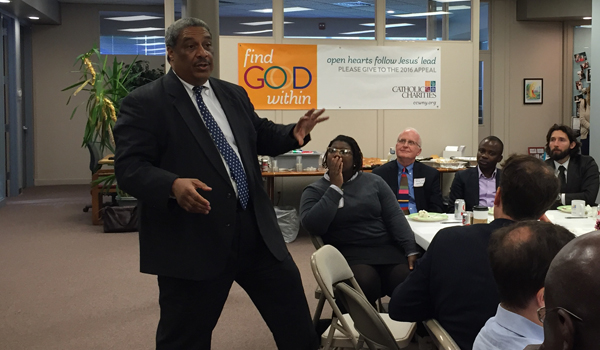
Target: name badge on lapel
[(419, 182)]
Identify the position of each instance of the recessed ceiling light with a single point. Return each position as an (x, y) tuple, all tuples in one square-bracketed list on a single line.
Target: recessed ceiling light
[(132, 18), (135, 30), (586, 18), (151, 44), (353, 4), (359, 32), (455, 8), (392, 25), (34, 18), (286, 9), (255, 32), (390, 11), (261, 23), (147, 37), (423, 14)]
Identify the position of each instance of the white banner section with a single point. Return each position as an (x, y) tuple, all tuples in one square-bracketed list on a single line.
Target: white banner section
[(351, 77)]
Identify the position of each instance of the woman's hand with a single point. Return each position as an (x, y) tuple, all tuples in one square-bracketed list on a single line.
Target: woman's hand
[(335, 171)]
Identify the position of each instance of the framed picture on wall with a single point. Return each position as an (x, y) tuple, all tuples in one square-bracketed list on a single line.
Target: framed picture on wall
[(533, 91)]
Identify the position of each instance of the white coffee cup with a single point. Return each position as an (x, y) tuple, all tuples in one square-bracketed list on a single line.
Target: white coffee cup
[(578, 207)]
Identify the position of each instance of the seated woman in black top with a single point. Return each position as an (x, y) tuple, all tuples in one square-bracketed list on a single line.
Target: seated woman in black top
[(358, 214)]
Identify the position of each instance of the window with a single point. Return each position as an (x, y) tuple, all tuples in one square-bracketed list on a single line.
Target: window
[(335, 19), (428, 20), (484, 22), (132, 33), (246, 18)]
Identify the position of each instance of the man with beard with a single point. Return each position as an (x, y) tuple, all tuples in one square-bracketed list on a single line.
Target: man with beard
[(477, 186), (578, 174)]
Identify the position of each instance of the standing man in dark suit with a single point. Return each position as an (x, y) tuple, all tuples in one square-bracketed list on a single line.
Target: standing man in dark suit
[(453, 282), (477, 186), (578, 174), (187, 148), (423, 190)]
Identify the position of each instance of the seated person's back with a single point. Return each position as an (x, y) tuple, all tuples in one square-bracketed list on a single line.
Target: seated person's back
[(453, 281), (520, 255)]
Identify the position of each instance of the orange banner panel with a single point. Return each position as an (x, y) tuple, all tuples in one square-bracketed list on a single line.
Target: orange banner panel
[(278, 76)]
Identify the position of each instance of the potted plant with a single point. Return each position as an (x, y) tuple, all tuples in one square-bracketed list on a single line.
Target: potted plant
[(107, 86)]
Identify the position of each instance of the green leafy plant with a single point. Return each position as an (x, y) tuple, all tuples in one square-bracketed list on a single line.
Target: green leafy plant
[(106, 85)]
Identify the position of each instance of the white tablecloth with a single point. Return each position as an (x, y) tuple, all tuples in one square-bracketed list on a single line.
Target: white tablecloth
[(425, 231)]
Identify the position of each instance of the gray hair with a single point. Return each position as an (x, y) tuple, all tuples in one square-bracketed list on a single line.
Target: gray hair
[(175, 29)]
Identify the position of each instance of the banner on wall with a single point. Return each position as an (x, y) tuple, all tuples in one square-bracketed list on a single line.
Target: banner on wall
[(279, 76), (285, 76)]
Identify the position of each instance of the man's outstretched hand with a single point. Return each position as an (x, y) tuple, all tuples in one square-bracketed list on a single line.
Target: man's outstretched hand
[(306, 123)]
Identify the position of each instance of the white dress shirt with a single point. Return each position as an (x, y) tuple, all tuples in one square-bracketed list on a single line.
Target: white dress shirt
[(214, 107)]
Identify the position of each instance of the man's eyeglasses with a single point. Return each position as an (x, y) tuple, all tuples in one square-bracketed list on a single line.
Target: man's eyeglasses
[(542, 312), (410, 143), (341, 151)]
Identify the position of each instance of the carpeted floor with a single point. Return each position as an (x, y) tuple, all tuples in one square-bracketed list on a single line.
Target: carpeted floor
[(65, 285)]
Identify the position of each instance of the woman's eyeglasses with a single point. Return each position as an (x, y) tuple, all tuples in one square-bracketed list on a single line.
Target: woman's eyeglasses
[(542, 312), (341, 151)]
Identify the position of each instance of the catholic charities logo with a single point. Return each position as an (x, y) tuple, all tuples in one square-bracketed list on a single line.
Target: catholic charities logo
[(428, 90), (430, 86)]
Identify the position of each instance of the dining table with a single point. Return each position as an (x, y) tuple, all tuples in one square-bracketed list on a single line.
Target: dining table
[(426, 230)]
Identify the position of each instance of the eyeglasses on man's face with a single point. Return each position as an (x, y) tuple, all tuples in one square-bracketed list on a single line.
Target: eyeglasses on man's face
[(341, 151), (410, 143), (542, 312)]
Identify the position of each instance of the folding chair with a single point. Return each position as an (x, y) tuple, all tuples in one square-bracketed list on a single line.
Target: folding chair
[(441, 338), (375, 329), (317, 241), (330, 268)]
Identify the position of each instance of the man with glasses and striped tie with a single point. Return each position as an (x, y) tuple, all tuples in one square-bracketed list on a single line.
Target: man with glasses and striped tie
[(416, 185), (570, 317)]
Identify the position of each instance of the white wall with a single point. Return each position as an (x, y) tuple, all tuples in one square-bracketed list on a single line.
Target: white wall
[(59, 158), (524, 50)]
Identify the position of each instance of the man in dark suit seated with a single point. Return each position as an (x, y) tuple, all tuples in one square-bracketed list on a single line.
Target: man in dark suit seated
[(477, 186), (578, 174), (453, 282), (187, 147), (570, 316), (416, 185)]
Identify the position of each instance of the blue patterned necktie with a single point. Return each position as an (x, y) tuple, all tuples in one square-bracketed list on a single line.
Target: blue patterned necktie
[(231, 158)]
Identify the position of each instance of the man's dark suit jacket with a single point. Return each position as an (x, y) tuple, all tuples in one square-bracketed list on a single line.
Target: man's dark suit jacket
[(160, 137), (429, 196), (466, 186), (452, 283), (582, 180)]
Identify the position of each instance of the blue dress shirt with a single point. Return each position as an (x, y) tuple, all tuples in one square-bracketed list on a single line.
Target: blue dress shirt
[(412, 205), (508, 331)]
